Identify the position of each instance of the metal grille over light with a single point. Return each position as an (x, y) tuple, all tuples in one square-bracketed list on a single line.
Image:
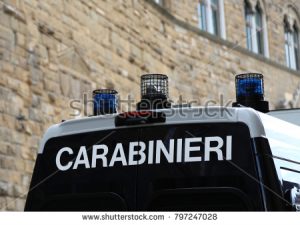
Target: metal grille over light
[(250, 91), (105, 101), (154, 92)]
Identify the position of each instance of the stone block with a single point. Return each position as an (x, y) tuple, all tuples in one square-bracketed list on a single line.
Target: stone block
[(3, 188), (35, 115)]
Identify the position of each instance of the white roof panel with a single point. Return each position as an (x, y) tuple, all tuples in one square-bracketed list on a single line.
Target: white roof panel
[(173, 116)]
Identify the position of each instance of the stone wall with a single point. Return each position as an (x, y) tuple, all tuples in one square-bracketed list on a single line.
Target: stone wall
[(54, 51)]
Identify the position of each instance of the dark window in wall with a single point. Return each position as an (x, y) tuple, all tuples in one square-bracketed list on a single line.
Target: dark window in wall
[(296, 46), (202, 15), (211, 17), (259, 30), (287, 44), (291, 45), (215, 17), (248, 18), (255, 30)]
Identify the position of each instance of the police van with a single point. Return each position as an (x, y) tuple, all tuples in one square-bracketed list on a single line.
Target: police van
[(168, 158)]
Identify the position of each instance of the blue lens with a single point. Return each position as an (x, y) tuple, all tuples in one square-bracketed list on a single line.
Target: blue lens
[(105, 103), (250, 86)]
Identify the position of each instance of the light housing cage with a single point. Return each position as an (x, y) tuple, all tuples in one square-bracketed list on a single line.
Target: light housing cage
[(154, 92)]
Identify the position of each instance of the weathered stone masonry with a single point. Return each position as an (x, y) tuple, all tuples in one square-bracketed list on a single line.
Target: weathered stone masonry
[(54, 51)]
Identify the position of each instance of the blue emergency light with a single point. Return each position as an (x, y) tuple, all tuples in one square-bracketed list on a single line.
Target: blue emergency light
[(105, 101), (250, 91), (249, 85)]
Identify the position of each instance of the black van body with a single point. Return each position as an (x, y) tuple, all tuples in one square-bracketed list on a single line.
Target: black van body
[(223, 163)]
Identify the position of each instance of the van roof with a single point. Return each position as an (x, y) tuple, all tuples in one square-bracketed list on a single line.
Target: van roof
[(214, 114)]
